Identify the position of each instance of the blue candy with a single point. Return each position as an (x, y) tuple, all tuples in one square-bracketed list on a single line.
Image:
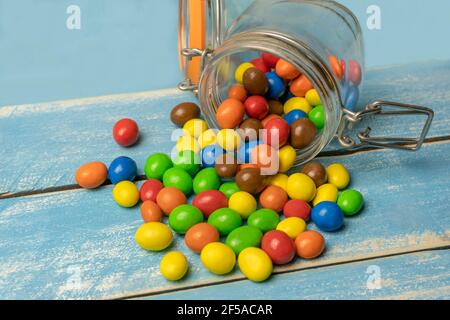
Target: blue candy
[(122, 168), (294, 115), (327, 216), (276, 85), (209, 155), (351, 97), (245, 152)]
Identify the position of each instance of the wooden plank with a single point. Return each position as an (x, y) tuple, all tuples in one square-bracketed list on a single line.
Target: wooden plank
[(424, 275), (49, 241), (43, 144)]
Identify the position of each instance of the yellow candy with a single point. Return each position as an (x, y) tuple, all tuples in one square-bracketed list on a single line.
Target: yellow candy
[(255, 264), (301, 187), (228, 139), (313, 97), (338, 175), (279, 180), (292, 226), (326, 192), (239, 74), (187, 142), (287, 157), (218, 258), (126, 194), (207, 138), (195, 127), (243, 203), (297, 103), (154, 236), (173, 266)]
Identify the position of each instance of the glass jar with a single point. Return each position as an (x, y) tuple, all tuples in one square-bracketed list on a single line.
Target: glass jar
[(321, 38)]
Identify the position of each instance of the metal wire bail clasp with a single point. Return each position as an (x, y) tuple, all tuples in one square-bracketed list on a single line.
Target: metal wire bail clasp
[(187, 84), (384, 108)]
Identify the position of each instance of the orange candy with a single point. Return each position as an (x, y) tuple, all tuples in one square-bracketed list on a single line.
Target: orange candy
[(336, 66), (199, 235), (150, 211), (91, 175), (169, 198), (230, 113), (270, 117), (265, 157), (310, 244), (274, 198), (286, 70), (300, 86), (247, 165), (237, 92)]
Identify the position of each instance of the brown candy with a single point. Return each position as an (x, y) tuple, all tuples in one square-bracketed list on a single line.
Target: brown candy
[(303, 132), (315, 171), (184, 112), (255, 82), (275, 107), (250, 180), (226, 166), (250, 129)]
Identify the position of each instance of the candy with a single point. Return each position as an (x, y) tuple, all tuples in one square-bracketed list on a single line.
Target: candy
[(313, 97), (256, 107), (170, 198), (338, 175), (280, 248), (187, 142), (300, 86), (297, 208), (207, 138), (237, 92), (244, 153), (265, 157), (294, 115), (122, 168), (243, 237), (230, 113), (317, 116), (327, 216), (91, 175), (243, 203), (264, 219), (226, 166), (273, 198), (336, 67), (209, 201), (255, 264), (126, 132), (286, 156), (276, 86), (315, 171), (195, 127), (354, 72), (269, 59), (351, 202), (178, 178), (218, 258), (229, 188), (188, 161), (277, 132), (239, 73), (275, 107), (249, 129), (286, 70), (301, 187), (150, 189), (209, 154), (326, 192), (297, 103), (260, 65), (279, 180), (126, 194), (270, 117), (156, 165), (150, 211), (154, 236), (228, 139), (250, 180), (309, 244), (292, 226), (184, 217), (173, 266), (199, 235), (184, 112), (255, 82), (351, 97), (225, 220), (206, 179), (303, 132)]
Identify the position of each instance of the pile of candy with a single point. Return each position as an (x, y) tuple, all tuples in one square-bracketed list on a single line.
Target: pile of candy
[(261, 219)]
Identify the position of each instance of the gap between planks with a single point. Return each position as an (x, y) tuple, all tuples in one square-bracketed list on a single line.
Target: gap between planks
[(322, 155)]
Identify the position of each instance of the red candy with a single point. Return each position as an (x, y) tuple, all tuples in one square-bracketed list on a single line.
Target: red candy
[(280, 248), (269, 59), (256, 107), (150, 189), (297, 208), (354, 72), (126, 132), (276, 128), (209, 201), (260, 65)]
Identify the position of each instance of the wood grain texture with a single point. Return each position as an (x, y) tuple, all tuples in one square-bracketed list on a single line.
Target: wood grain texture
[(80, 244), (43, 144)]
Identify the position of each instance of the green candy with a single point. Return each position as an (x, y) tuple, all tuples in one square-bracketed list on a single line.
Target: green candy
[(206, 179), (317, 116), (187, 160), (350, 201), (264, 219), (156, 165), (178, 178), (225, 220), (229, 188), (183, 217), (244, 237)]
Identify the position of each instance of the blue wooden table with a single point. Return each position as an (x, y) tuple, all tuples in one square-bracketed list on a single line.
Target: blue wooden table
[(61, 242)]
